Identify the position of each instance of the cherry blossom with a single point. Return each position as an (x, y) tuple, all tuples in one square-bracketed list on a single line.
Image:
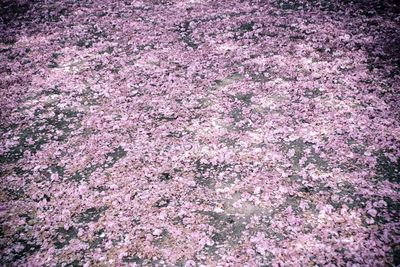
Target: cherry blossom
[(199, 133)]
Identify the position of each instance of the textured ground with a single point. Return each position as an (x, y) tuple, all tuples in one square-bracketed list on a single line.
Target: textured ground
[(199, 133)]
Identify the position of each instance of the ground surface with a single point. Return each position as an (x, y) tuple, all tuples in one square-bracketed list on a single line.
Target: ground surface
[(199, 133)]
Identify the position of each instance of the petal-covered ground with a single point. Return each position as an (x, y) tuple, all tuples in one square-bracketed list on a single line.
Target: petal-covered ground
[(199, 133)]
